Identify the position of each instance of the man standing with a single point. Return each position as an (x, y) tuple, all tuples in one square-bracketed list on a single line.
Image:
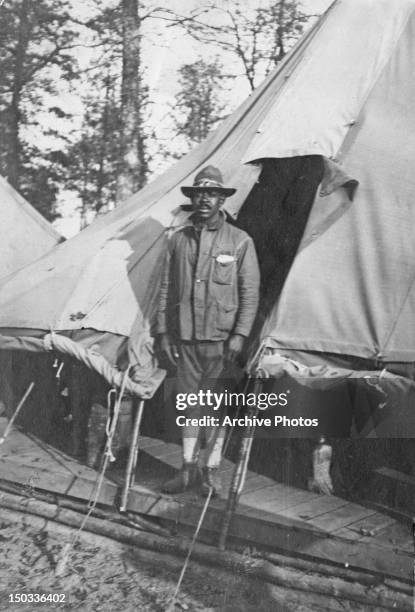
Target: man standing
[(208, 302)]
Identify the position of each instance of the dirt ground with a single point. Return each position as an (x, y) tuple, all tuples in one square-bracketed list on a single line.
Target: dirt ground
[(105, 576)]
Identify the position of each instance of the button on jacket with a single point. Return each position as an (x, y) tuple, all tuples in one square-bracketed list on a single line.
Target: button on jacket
[(210, 284)]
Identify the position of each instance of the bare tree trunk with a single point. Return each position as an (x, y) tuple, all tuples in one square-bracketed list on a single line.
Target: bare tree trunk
[(13, 154), (279, 39), (103, 147), (132, 163), (83, 222)]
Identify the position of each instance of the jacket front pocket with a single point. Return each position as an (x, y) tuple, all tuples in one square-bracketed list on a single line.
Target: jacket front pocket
[(223, 270), (225, 316)]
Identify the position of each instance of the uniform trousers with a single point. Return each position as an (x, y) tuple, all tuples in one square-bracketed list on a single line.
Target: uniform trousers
[(199, 368)]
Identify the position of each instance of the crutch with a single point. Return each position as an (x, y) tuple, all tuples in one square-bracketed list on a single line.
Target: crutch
[(132, 458)]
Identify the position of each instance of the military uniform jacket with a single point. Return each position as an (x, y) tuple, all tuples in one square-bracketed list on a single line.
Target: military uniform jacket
[(210, 283)]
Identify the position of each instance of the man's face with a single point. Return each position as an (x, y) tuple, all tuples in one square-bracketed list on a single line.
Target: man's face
[(206, 204)]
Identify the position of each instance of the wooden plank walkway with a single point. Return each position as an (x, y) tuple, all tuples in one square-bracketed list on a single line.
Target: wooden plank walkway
[(270, 514), (328, 513)]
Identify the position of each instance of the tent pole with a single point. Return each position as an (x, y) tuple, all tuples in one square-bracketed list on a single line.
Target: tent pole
[(132, 457), (239, 474)]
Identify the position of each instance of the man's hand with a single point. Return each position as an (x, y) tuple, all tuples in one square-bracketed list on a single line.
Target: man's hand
[(169, 349), (234, 348)]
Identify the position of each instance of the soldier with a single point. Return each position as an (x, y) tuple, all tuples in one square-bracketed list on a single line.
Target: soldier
[(208, 303)]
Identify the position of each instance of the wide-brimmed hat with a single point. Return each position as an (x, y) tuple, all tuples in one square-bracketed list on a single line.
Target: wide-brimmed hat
[(208, 178)]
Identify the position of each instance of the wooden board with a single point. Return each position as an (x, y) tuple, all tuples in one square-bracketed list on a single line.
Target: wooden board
[(270, 515), (341, 517), (313, 508), (374, 524)]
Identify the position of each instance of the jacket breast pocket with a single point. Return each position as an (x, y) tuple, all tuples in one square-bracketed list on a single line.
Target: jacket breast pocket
[(224, 269)]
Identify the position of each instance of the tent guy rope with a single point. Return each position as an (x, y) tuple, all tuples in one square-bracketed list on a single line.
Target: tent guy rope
[(16, 412), (95, 493)]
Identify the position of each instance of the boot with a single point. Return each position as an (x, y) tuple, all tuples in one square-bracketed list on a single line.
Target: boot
[(211, 480), (187, 478)]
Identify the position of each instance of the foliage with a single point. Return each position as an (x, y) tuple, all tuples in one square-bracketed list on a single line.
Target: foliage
[(258, 37), (106, 155), (42, 174), (36, 52), (94, 155), (109, 153), (198, 100)]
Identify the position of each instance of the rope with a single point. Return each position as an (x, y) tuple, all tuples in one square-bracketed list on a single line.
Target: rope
[(110, 393), (16, 412), (108, 452), (170, 607), (376, 384), (61, 565), (59, 370)]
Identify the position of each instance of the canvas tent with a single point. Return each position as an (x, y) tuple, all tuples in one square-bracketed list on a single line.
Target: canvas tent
[(336, 117), (26, 235)]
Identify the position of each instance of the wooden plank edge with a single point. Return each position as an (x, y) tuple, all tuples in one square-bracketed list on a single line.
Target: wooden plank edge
[(280, 533)]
